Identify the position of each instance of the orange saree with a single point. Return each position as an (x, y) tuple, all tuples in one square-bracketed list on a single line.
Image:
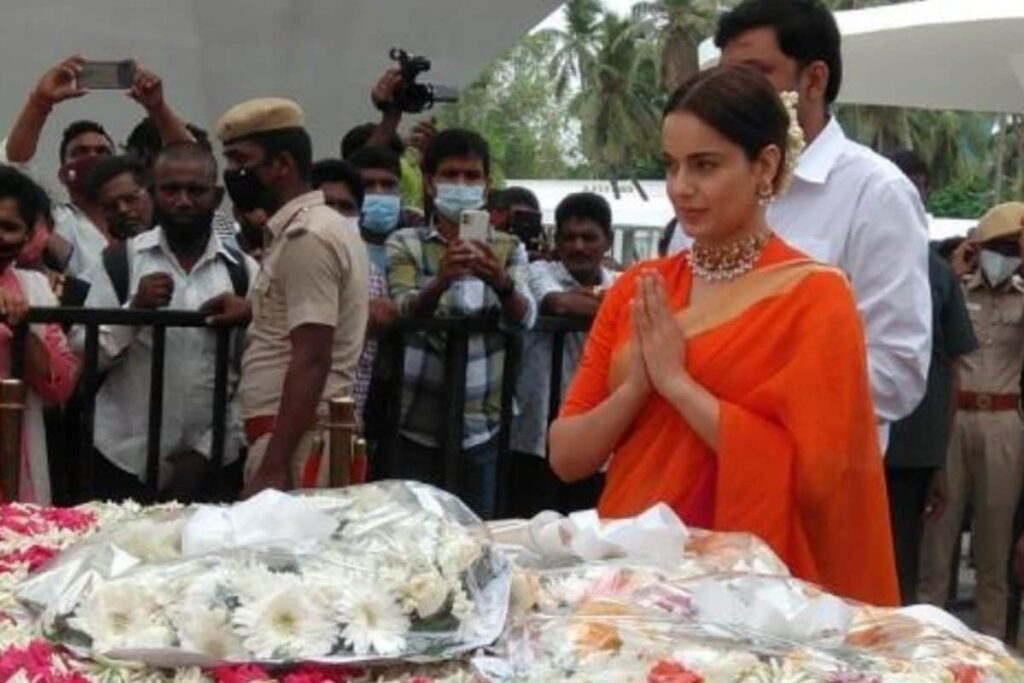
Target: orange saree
[(798, 461)]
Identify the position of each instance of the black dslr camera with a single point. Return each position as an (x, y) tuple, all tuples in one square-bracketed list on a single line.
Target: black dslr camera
[(412, 97)]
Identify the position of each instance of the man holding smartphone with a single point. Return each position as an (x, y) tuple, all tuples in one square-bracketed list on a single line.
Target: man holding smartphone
[(81, 221), (434, 271)]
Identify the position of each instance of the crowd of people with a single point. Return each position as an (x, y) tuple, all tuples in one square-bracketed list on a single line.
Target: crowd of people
[(798, 365)]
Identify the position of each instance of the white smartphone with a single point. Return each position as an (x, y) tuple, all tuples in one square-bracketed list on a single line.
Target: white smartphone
[(107, 75), (475, 226)]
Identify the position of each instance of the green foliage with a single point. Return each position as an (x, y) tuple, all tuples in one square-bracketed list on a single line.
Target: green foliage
[(584, 100), (514, 106), (963, 197)]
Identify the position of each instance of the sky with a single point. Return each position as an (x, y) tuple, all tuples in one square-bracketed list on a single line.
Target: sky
[(619, 6)]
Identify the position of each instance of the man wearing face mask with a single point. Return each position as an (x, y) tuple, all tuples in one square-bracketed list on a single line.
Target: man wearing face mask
[(433, 271), (81, 221), (382, 213), (985, 464), (309, 301), (180, 264)]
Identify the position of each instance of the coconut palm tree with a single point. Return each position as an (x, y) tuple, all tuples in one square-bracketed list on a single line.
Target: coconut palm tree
[(681, 26), (618, 104), (576, 44)]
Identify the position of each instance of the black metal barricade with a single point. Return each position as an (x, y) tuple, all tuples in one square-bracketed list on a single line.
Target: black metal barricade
[(91, 320), (457, 332)]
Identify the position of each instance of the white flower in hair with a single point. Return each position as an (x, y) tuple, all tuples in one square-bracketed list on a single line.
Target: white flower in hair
[(795, 141)]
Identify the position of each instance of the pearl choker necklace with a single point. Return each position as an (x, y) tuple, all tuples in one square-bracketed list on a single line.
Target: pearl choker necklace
[(729, 261)]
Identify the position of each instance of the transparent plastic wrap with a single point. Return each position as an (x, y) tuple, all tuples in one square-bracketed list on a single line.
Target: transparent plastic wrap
[(723, 609), (376, 573), (619, 622)]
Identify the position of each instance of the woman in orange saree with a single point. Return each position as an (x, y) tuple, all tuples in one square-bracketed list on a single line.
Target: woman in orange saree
[(730, 381)]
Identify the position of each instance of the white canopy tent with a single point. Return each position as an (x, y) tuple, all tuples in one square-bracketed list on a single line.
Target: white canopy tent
[(933, 54), (326, 54)]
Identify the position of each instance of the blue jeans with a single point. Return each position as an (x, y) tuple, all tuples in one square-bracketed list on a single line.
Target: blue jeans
[(478, 476)]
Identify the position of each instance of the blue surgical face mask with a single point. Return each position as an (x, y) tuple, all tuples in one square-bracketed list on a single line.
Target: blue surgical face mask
[(380, 213), (452, 200)]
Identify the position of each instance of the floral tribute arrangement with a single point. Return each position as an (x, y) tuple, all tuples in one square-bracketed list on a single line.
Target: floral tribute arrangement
[(403, 563), (398, 572), (707, 618)]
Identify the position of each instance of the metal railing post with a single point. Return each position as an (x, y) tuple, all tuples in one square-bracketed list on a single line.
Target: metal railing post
[(220, 411), (506, 467), (12, 408), (89, 386), (156, 410), (456, 358)]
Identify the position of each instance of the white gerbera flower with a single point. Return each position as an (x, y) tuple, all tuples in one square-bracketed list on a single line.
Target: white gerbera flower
[(373, 622), (122, 615), (208, 632), (285, 624)]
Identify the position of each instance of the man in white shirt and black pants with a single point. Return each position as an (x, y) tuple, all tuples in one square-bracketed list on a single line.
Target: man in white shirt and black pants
[(847, 206), (180, 264)]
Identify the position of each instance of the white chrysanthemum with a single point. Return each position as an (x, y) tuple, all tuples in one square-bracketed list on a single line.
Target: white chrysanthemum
[(426, 593), (458, 554), (209, 632), (373, 622), (121, 615), (285, 624)]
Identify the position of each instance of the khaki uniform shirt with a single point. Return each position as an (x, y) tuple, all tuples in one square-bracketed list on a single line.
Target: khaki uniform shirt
[(998, 319), (315, 271)]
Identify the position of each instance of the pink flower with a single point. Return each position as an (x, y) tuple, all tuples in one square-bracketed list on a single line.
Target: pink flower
[(245, 673), (322, 674), (40, 664)]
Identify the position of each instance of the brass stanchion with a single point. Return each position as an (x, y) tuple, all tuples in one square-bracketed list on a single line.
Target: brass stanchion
[(360, 462), (12, 407), (342, 429)]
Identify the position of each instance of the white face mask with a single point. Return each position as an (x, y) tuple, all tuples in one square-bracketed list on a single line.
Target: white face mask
[(997, 268)]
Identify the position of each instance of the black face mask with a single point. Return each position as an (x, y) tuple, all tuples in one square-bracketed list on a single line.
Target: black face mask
[(246, 189)]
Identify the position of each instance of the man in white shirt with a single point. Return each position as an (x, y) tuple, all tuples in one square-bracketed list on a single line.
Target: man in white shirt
[(573, 286), (180, 264), (847, 206), (81, 221)]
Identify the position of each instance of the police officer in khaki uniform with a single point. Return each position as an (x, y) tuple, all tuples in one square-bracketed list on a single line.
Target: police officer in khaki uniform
[(308, 303), (985, 466)]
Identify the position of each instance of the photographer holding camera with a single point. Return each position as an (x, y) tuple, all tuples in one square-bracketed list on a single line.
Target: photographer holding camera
[(398, 92)]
